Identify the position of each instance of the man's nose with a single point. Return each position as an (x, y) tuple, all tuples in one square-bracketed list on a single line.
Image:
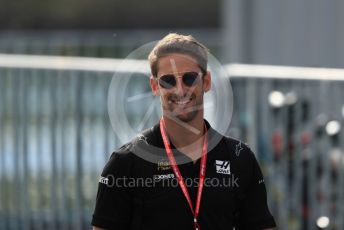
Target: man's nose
[(180, 87)]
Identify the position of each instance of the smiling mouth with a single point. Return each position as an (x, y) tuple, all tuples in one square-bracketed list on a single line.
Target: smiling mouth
[(183, 101)]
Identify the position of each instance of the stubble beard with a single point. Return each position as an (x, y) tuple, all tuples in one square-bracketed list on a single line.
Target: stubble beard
[(185, 115)]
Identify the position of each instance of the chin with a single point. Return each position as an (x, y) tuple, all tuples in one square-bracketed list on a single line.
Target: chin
[(188, 117)]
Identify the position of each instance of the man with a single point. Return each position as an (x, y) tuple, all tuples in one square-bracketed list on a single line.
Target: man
[(166, 201)]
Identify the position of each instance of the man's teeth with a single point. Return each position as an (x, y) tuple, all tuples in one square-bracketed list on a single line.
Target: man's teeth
[(182, 102)]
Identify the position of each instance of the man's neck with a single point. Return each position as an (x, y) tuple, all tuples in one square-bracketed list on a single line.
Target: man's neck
[(186, 137)]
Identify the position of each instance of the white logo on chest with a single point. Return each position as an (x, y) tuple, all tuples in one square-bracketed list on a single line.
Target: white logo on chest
[(223, 167)]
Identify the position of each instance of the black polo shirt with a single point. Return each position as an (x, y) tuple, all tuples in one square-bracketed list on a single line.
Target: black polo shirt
[(138, 194)]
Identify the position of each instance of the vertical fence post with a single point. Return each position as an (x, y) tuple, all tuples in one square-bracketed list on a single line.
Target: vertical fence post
[(3, 205)]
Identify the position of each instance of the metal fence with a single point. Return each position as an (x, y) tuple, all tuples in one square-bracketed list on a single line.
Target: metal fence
[(299, 144), (56, 137)]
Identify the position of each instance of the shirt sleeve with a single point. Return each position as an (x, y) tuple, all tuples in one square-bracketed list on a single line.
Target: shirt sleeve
[(254, 213), (113, 209)]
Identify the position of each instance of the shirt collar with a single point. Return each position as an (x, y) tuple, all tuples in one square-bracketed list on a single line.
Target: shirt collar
[(180, 157)]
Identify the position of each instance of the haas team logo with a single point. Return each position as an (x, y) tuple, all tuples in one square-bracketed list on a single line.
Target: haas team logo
[(223, 167)]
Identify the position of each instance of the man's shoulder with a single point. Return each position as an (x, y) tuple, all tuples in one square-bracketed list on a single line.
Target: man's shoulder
[(239, 151), (128, 151), (238, 146), (123, 153)]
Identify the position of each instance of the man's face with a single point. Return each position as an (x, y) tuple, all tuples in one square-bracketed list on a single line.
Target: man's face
[(181, 101)]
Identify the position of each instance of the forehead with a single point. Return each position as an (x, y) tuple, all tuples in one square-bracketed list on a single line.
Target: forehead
[(175, 63)]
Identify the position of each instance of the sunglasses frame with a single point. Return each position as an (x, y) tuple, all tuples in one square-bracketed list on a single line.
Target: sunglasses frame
[(179, 75)]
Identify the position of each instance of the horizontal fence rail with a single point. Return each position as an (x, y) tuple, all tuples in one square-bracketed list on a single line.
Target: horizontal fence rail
[(21, 61)]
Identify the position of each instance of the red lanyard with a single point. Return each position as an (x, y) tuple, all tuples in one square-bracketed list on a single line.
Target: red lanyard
[(179, 177)]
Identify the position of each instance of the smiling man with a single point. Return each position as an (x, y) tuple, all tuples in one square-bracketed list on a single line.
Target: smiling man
[(196, 182)]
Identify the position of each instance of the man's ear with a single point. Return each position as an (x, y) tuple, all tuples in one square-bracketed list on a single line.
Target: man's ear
[(207, 82), (154, 86)]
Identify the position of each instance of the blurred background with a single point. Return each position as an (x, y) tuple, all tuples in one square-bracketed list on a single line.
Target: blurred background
[(57, 59)]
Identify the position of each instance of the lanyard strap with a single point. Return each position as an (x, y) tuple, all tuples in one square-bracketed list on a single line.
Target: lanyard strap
[(179, 177)]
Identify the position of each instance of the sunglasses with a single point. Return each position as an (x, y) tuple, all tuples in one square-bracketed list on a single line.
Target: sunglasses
[(169, 81)]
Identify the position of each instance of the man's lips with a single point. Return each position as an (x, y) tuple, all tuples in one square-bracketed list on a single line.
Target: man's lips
[(182, 101)]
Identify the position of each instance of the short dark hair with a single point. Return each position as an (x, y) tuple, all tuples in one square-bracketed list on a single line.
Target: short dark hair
[(177, 43)]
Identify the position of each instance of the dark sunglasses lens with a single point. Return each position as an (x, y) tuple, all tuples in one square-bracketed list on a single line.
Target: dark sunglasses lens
[(167, 81), (189, 79)]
